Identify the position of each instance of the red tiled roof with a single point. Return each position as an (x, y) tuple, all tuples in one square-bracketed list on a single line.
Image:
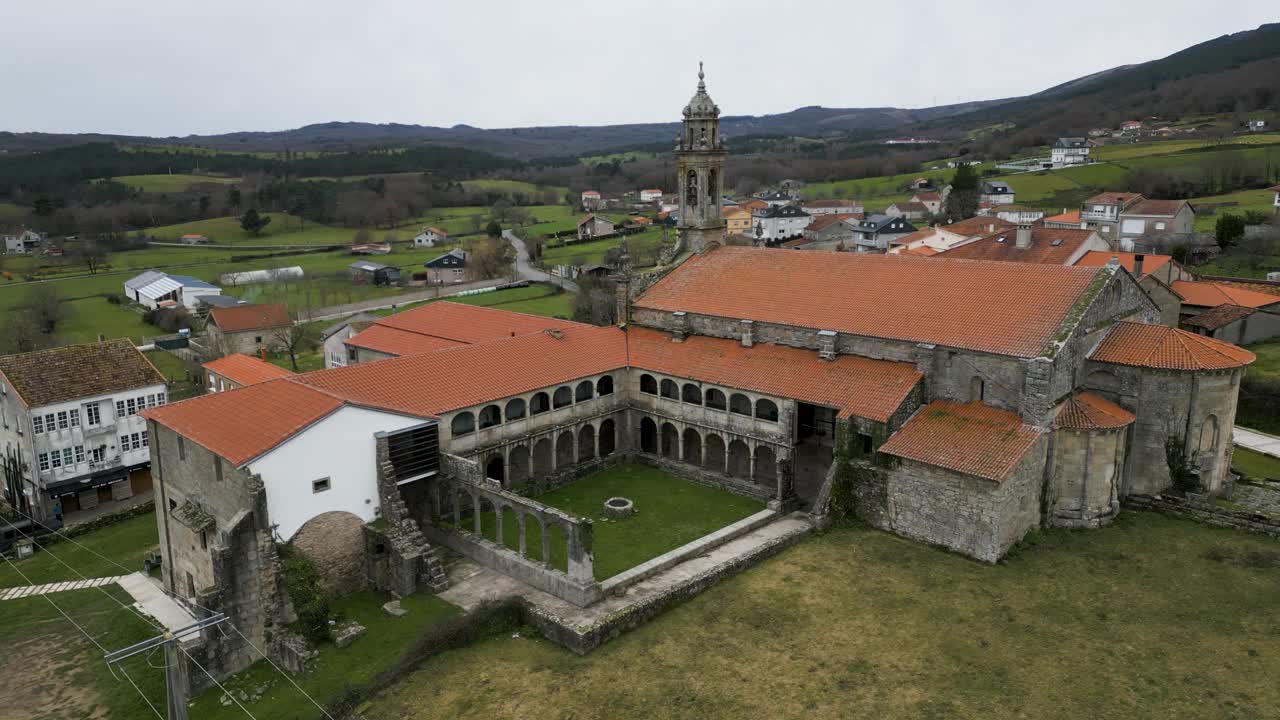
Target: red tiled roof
[(1072, 217), (1166, 348), (244, 370), (1003, 246), (1266, 287), (821, 221), (1128, 261), (1112, 198), (1211, 294), (438, 231), (929, 196), (1157, 208), (250, 317), (973, 439), (591, 192), (873, 389), (1087, 411), (978, 226), (469, 323), (829, 203), (797, 242), (392, 341), (1219, 317), (1002, 308), (242, 424), (922, 251)]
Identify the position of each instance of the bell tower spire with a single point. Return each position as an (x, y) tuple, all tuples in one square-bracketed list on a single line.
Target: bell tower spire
[(700, 156)]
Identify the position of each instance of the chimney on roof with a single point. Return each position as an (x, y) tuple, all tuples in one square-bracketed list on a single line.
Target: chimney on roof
[(1137, 265), (1024, 236), (679, 325), (262, 354), (826, 345), (991, 227), (747, 338), (554, 332)]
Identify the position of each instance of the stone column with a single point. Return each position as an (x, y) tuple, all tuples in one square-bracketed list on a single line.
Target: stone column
[(546, 542), (679, 325), (497, 518), (523, 545), (580, 553), (826, 345), (748, 337)]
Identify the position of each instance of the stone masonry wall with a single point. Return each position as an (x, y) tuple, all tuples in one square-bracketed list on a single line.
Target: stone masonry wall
[(334, 541)]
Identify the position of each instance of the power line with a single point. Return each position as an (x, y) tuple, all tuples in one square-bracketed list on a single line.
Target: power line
[(144, 696), (55, 607), (215, 682)]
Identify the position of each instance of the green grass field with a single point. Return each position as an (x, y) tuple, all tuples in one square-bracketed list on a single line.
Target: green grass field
[(1165, 147), (125, 542), (283, 230), (1246, 200), (587, 253), (1255, 465), (171, 183), (90, 316), (1151, 618), (514, 187)]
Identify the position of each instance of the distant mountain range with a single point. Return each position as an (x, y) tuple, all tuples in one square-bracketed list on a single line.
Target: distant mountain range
[(1230, 55)]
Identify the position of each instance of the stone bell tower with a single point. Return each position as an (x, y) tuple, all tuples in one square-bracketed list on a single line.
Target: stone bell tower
[(700, 155)]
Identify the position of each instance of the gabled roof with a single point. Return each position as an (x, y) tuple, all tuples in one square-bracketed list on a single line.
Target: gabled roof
[(593, 216), (911, 207), (829, 203), (1211, 294), (1156, 208), (67, 373), (143, 279), (356, 319), (1166, 348), (1049, 246), (1003, 308), (996, 187), (250, 317), (1071, 217), (979, 226), (931, 195), (159, 287), (456, 253), (368, 266), (187, 281), (1087, 411), (1128, 261), (852, 385), (1219, 317), (820, 222), (444, 324), (392, 341), (973, 439), (1113, 198), (922, 251), (244, 370), (783, 211), (436, 231)]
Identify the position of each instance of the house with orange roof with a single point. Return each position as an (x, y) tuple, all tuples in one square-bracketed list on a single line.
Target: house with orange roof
[(247, 329), (236, 370), (1154, 273), (650, 195), (737, 220), (962, 402), (1228, 312), (430, 237), (1067, 219), (832, 206), (1031, 244)]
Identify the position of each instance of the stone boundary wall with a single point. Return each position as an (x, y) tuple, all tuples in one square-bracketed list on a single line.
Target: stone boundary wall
[(1208, 514)]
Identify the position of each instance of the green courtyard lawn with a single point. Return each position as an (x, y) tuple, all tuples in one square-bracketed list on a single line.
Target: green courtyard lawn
[(670, 512), (336, 669), (1255, 465), (125, 542), (1153, 617)]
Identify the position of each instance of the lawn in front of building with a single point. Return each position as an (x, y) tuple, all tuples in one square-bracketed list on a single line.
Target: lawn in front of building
[(1255, 465), (670, 512), (125, 542), (1153, 617)]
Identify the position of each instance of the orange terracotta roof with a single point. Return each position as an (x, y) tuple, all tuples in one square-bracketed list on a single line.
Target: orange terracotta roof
[(443, 324), (973, 439), (979, 226), (821, 221), (1128, 261), (1211, 294), (1087, 411), (1072, 217), (797, 242), (1003, 246), (438, 231), (448, 379), (1219, 317), (1112, 198), (929, 196), (921, 234), (922, 251), (392, 341), (829, 203), (754, 204), (873, 389), (242, 424), (728, 212), (250, 317), (1156, 208), (244, 370), (1266, 287), (1003, 308), (1166, 348)]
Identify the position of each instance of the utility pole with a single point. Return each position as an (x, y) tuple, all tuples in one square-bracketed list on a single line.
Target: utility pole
[(175, 666)]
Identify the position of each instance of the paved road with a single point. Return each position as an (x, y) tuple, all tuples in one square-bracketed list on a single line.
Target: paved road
[(334, 312), (1257, 441), (525, 271)]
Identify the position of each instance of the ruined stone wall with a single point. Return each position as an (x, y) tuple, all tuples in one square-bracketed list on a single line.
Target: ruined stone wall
[(334, 541)]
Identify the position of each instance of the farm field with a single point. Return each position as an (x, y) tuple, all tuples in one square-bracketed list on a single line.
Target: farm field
[(1245, 200), (858, 623), (587, 253), (171, 183), (1165, 147), (513, 187), (283, 230)]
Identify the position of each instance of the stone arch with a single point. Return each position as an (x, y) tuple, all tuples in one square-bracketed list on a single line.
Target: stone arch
[(564, 449), (607, 441), (585, 391), (510, 521), (563, 397), (495, 468), (691, 394), (542, 458), (486, 522), (713, 453), (515, 409), (604, 386), (1208, 443), (739, 460), (670, 389), (534, 529), (648, 435), (740, 404), (539, 403), (517, 465), (670, 441), (692, 442), (586, 443), (464, 423), (766, 468), (648, 384), (490, 415), (766, 410), (716, 400), (691, 188), (334, 541)]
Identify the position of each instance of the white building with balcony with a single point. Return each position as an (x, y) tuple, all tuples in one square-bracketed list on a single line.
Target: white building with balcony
[(71, 429)]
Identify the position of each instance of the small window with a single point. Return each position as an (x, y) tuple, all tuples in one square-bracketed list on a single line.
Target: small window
[(319, 486), (204, 540), (37, 424), (258, 339), (44, 462), (864, 441), (75, 417), (131, 407), (56, 459), (68, 456), (146, 441), (50, 423), (160, 398), (79, 454), (217, 470)]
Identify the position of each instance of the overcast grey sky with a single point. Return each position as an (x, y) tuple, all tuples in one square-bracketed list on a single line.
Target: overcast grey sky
[(175, 67)]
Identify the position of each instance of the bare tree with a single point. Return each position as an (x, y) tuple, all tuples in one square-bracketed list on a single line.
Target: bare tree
[(296, 338)]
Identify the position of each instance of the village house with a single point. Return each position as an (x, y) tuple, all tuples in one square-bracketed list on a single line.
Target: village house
[(834, 206), (236, 371), (247, 329), (1102, 211), (907, 210), (1028, 243), (1155, 274), (1011, 396), (71, 426), (594, 226), (1229, 312), (333, 339), (450, 267), (365, 272), (591, 200), (192, 239), (1131, 126), (1146, 225), (874, 233), (1068, 151), (650, 195), (778, 222), (24, 242), (921, 184), (932, 200), (1066, 219), (776, 198), (153, 289), (737, 220), (996, 192), (831, 229), (430, 237), (1276, 190)]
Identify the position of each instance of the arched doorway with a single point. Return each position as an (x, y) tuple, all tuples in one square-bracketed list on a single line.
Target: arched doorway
[(494, 469), (714, 453), (586, 443), (648, 436), (607, 441), (564, 449), (542, 458), (670, 440), (739, 460), (692, 447), (518, 465), (766, 469), (335, 542)]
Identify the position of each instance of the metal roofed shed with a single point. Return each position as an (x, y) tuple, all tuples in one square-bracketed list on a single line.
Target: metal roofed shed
[(364, 271)]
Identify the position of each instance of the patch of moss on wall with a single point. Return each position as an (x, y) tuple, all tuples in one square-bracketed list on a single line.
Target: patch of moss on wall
[(310, 602), (856, 471), (1183, 480)]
